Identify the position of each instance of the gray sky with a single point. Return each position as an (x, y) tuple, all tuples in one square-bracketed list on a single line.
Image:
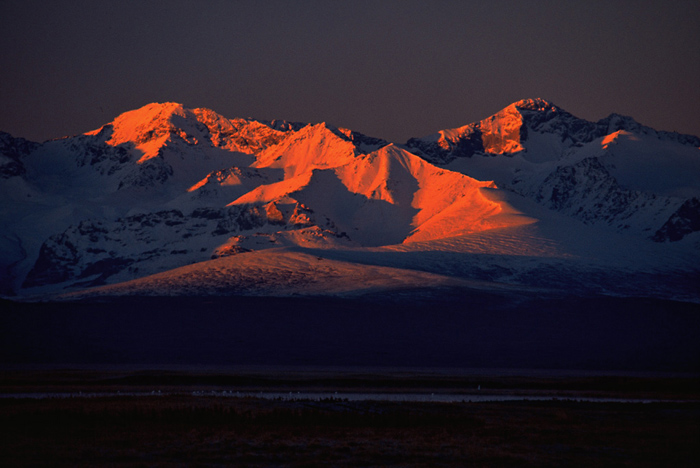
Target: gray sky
[(390, 69)]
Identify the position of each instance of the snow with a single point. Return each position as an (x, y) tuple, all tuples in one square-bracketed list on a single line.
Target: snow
[(642, 162), (276, 272), (313, 147), (185, 201), (632, 178), (385, 197), (546, 255)]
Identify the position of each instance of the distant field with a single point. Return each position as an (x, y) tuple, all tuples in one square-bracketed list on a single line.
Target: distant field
[(490, 343), (203, 431)]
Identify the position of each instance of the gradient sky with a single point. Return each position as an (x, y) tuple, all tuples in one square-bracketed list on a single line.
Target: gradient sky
[(390, 69)]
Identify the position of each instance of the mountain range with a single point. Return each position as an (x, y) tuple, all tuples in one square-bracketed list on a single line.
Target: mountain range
[(166, 200)]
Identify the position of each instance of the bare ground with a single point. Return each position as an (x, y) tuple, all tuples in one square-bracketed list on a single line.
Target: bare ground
[(187, 430)]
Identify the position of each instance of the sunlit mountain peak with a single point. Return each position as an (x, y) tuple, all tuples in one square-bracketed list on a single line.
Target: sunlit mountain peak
[(165, 186), (536, 104), (151, 127)]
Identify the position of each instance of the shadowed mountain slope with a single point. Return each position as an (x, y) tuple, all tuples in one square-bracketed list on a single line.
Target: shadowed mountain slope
[(529, 197)]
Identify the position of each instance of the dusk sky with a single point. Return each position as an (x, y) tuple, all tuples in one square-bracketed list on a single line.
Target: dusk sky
[(389, 69)]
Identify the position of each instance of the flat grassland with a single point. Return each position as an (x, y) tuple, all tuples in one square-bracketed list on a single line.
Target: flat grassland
[(191, 428)]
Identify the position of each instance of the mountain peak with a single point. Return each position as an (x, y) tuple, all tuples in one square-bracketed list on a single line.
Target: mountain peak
[(154, 125), (502, 133), (138, 126), (148, 116), (314, 146), (165, 186), (506, 132), (536, 104), (615, 122)]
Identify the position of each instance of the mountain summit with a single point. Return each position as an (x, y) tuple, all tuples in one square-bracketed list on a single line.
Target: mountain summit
[(531, 196), (614, 171), (155, 125), (520, 128)]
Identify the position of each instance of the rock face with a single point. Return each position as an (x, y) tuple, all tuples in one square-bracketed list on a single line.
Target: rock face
[(12, 151), (512, 130), (165, 186), (95, 250), (684, 221)]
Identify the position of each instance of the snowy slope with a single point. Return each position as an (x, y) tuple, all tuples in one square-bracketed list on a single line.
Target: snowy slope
[(385, 197), (278, 272), (550, 256), (316, 147), (530, 197), (615, 171), (139, 163)]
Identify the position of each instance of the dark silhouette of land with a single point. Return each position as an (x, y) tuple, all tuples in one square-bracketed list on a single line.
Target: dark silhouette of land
[(140, 381)]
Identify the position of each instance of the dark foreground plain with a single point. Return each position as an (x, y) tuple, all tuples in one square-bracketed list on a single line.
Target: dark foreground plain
[(186, 430), (200, 418), (164, 355), (434, 329)]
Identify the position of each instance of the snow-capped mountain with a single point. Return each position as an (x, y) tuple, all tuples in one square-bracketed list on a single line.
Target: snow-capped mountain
[(159, 159), (615, 171), (530, 197), (539, 128)]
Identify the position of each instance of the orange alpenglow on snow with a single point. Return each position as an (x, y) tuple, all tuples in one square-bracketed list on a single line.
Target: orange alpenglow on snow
[(613, 137), (384, 197), (312, 147), (153, 126), (500, 133), (165, 186), (148, 128)]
